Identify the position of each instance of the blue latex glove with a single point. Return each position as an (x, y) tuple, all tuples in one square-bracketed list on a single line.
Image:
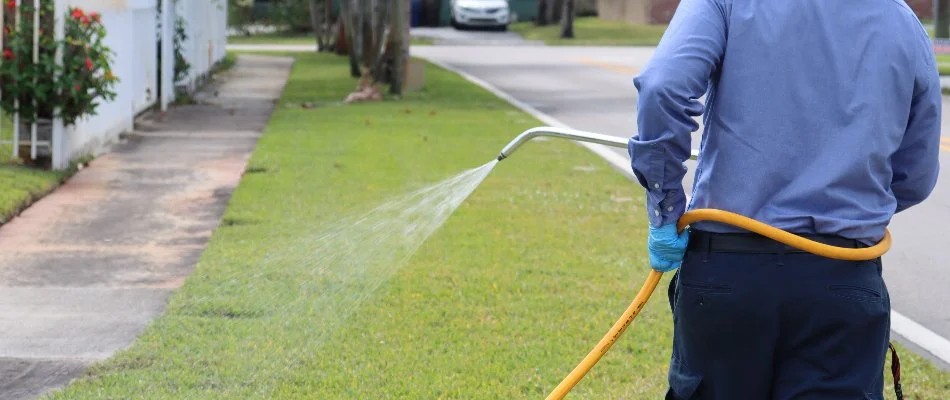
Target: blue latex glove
[(666, 247)]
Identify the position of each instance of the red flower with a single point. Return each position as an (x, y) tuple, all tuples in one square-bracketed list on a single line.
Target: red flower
[(7, 30), (77, 87), (85, 20), (95, 16), (11, 4), (7, 54), (88, 64), (77, 13)]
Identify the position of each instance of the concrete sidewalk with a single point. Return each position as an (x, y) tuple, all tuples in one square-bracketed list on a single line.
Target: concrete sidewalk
[(84, 270), (945, 81)]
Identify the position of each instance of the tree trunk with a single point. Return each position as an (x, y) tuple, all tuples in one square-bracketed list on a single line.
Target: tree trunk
[(366, 37), (942, 19), (381, 27), (354, 64), (317, 26), (552, 11), (400, 46), (542, 18), (567, 22), (328, 20), (350, 29), (358, 29), (341, 43), (555, 8)]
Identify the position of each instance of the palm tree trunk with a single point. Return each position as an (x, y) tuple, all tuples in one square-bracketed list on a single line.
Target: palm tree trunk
[(567, 20), (942, 19), (317, 26), (400, 46), (350, 28), (542, 18)]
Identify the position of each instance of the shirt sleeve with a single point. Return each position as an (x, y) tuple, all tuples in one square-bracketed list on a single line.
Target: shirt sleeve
[(915, 164), (669, 88)]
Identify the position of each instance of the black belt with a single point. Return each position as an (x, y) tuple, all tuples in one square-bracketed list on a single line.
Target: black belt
[(755, 243)]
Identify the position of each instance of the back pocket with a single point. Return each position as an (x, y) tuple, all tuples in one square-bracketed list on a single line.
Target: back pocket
[(855, 293), (709, 288)]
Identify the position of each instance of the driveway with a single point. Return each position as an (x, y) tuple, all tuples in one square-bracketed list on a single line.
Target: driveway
[(469, 37)]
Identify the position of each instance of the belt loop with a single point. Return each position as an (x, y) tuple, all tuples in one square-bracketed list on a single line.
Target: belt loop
[(780, 255)]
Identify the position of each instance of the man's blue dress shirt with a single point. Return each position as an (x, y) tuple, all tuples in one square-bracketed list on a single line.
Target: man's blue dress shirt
[(820, 117)]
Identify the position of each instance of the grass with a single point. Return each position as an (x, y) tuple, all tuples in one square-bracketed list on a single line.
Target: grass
[(943, 64), (20, 186), (225, 64), (294, 39), (502, 302), (593, 31), (272, 38)]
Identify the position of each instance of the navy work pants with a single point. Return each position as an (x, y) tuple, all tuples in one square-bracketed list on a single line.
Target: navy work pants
[(777, 325)]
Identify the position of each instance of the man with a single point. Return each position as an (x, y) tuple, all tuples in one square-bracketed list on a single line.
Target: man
[(821, 118)]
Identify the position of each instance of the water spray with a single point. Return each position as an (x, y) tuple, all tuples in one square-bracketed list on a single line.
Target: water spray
[(688, 218)]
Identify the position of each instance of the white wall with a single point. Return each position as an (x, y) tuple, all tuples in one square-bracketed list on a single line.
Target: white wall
[(207, 24), (131, 27), (130, 64)]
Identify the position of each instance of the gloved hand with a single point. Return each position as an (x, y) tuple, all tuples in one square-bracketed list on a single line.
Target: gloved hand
[(666, 247)]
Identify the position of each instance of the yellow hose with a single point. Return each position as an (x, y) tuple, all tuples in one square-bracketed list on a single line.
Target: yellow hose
[(653, 279)]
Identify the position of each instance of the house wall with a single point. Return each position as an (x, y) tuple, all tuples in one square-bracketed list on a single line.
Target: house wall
[(207, 24), (632, 11), (132, 34), (923, 8), (661, 11)]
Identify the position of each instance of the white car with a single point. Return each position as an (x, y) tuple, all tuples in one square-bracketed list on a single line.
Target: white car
[(480, 13)]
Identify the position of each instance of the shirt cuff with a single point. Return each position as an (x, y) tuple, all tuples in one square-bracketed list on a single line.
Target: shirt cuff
[(664, 208), (665, 201)]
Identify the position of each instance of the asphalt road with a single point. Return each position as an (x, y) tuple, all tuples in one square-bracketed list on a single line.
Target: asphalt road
[(592, 89)]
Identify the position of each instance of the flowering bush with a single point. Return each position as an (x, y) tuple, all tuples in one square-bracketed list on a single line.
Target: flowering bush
[(76, 86)]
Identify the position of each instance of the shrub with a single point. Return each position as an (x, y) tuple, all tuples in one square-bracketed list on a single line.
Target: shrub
[(77, 86)]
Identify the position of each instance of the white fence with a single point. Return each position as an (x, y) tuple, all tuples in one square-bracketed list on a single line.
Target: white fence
[(132, 32), (207, 42)]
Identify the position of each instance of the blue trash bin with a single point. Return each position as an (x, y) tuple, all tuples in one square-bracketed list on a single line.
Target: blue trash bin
[(415, 13)]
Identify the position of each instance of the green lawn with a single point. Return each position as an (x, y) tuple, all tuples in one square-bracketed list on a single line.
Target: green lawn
[(292, 39), (502, 302), (593, 31), (271, 38), (943, 64), (20, 186)]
